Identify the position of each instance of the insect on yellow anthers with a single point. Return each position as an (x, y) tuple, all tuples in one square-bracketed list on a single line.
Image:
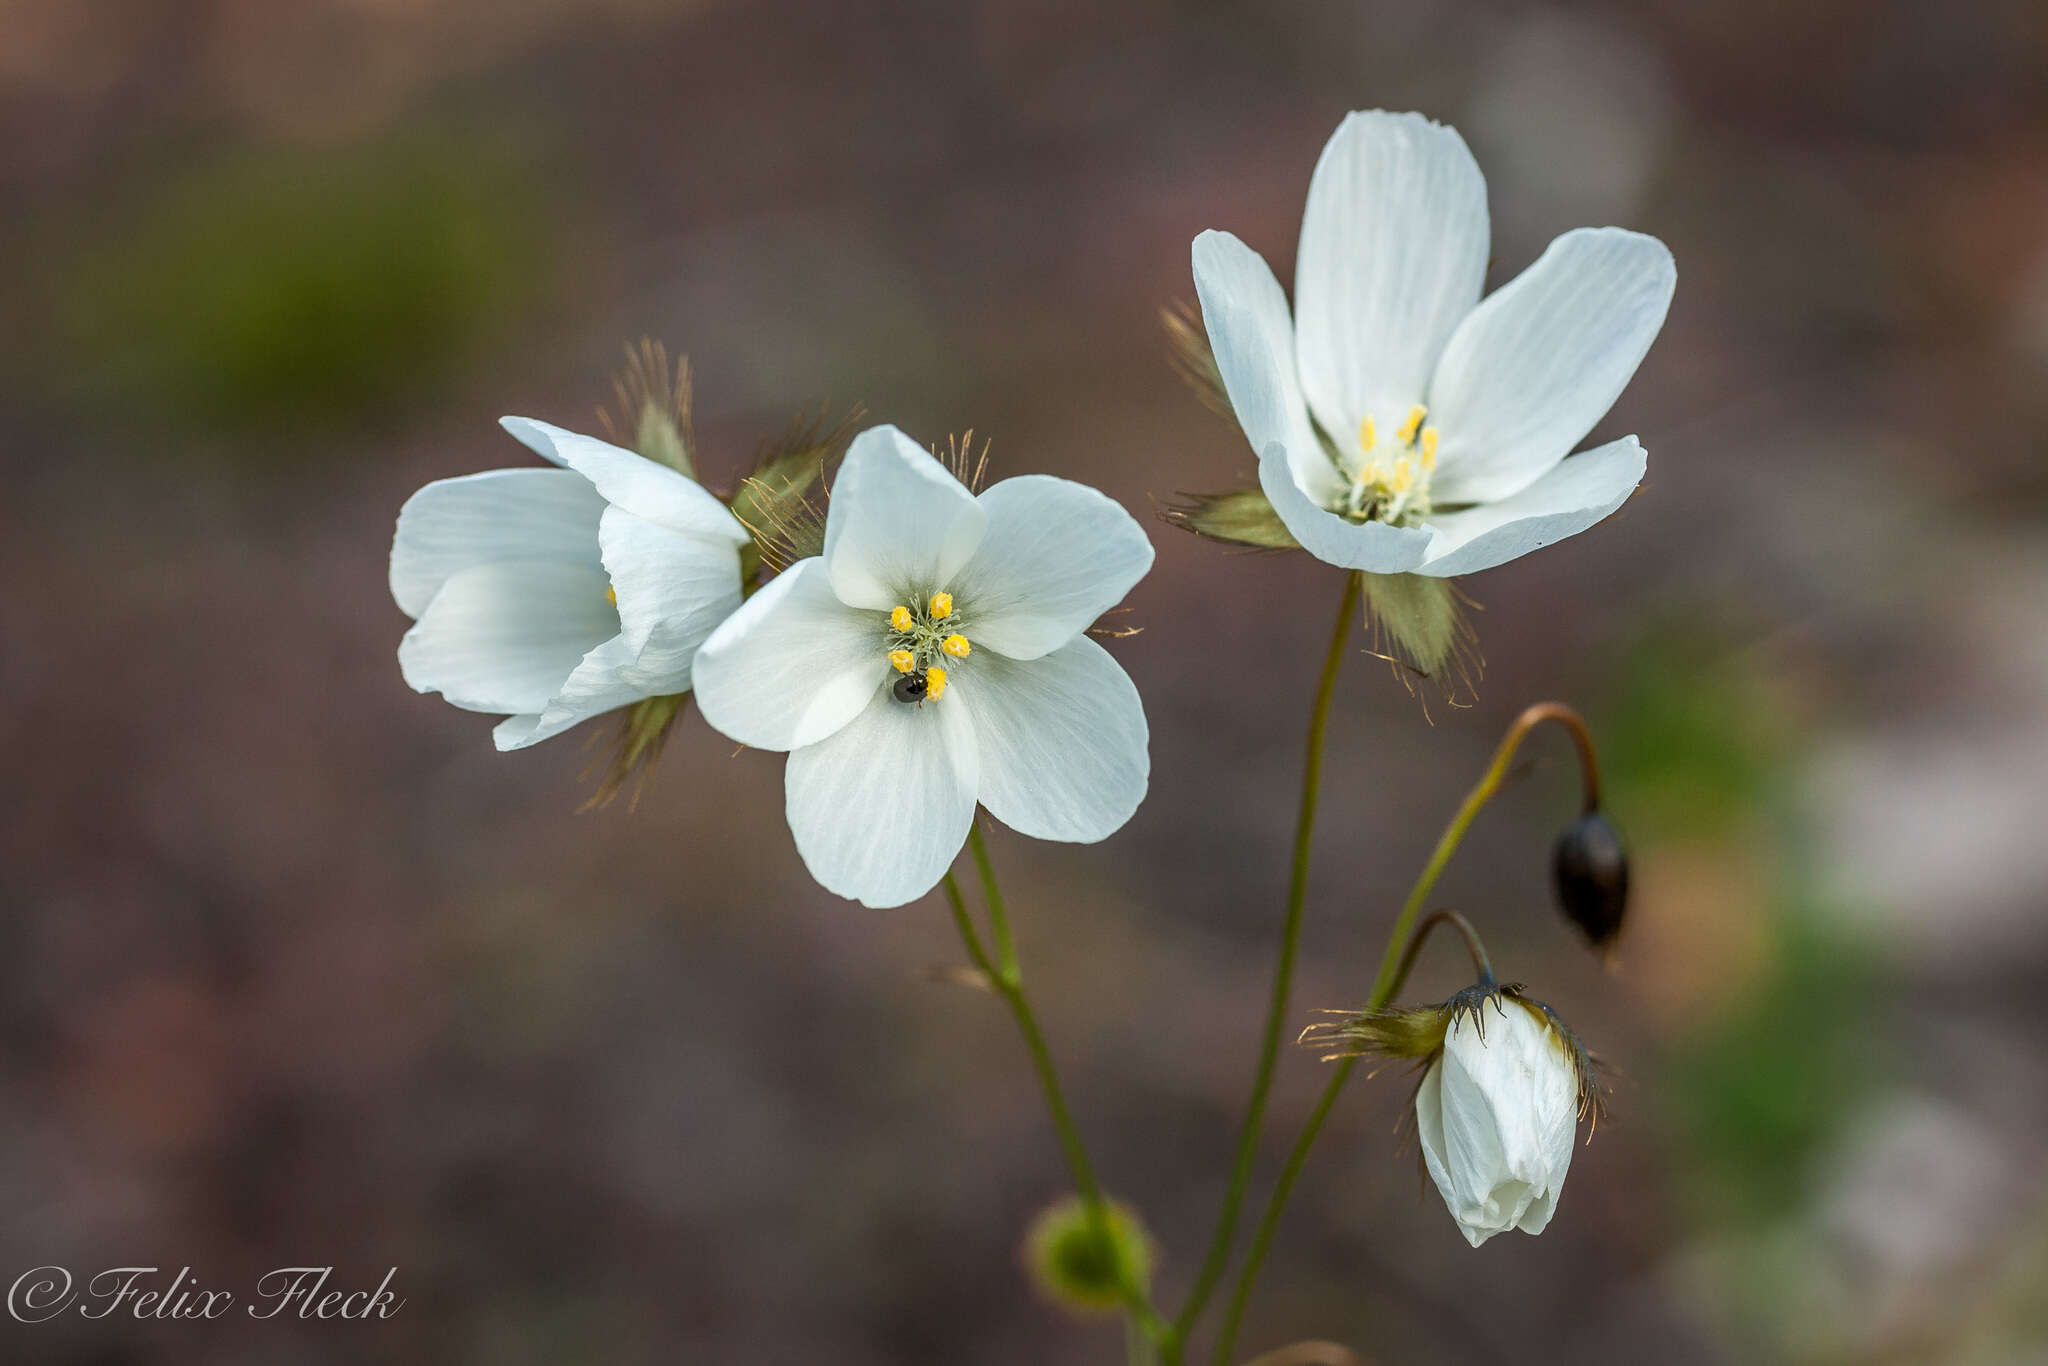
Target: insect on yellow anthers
[(1429, 440), (1411, 424), (956, 645), (1368, 436), (935, 682), (941, 606), (902, 659), (899, 618)]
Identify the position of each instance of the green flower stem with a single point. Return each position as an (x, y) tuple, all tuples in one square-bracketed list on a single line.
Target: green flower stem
[(1005, 978), (1283, 978), (1393, 969)]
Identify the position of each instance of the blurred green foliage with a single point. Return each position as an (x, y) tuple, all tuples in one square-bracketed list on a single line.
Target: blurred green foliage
[(1700, 749), (295, 286)]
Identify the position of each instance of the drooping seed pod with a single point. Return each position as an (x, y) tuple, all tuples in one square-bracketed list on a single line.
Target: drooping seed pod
[(1589, 864)]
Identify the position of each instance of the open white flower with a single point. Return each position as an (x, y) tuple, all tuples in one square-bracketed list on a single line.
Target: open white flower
[(1403, 425), (1497, 1113), (935, 656), (551, 595)]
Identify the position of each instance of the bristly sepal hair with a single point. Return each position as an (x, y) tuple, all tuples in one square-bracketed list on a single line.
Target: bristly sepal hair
[(773, 500), (1243, 517), (651, 408), (1416, 1034), (1193, 360), (1424, 621), (634, 748)]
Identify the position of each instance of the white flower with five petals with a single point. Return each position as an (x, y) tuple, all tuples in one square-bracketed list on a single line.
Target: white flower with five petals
[(1402, 424), (935, 656), (552, 595)]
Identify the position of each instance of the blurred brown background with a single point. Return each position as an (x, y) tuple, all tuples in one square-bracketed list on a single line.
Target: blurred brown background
[(298, 970)]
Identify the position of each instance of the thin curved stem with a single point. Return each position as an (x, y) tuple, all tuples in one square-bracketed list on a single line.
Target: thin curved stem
[(1442, 916), (1218, 1256), (1006, 978), (1393, 969)]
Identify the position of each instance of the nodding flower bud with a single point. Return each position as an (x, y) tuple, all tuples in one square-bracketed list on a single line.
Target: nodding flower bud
[(1590, 866)]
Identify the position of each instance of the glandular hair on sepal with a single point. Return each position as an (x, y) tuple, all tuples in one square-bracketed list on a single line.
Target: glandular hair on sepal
[(1423, 619), (1239, 516), (651, 408), (1416, 1033), (1193, 359), (635, 747), (774, 499)]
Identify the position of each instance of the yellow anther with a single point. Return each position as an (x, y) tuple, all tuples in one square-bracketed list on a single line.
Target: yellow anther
[(903, 660), (899, 617), (611, 595), (956, 645), (1367, 435), (1411, 424), (941, 606), (1404, 474), (934, 682), (1429, 439), (1369, 475)]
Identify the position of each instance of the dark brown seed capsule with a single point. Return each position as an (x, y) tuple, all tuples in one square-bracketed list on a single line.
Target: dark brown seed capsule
[(911, 687), (1590, 866)]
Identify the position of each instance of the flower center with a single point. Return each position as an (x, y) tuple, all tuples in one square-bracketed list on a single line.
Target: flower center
[(918, 642), (1391, 483)]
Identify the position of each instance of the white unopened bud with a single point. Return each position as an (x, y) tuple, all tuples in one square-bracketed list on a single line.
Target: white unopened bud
[(1497, 1114)]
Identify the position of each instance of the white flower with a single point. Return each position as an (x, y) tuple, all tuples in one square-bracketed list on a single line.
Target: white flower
[(552, 595), (1444, 421), (1497, 1113), (935, 656)]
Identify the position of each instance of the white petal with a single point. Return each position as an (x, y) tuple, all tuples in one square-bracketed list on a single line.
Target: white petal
[(674, 590), (641, 486), (503, 637), (1063, 741), (1479, 1168), (1535, 366), (793, 664), (1575, 495), (899, 522), (1253, 340), (1372, 546), (880, 809), (603, 681), (1393, 256), (1057, 556), (456, 524), (1436, 1158)]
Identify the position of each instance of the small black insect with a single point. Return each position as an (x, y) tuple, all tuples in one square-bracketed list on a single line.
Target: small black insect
[(911, 687)]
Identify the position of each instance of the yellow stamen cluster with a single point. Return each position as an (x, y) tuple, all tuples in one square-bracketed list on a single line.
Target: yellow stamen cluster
[(1395, 490), (920, 639)]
